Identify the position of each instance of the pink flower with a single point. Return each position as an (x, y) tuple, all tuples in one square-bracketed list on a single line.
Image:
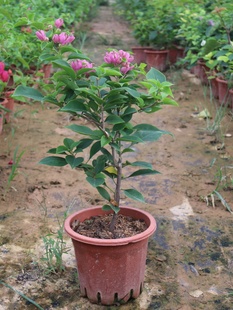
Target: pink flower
[(126, 56), (59, 22), (70, 39), (80, 64), (113, 57), (2, 66), (10, 162), (63, 38), (126, 68), (56, 38), (41, 35), (121, 58), (4, 76)]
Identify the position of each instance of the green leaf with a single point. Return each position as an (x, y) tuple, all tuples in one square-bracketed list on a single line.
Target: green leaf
[(132, 92), (61, 149), (68, 143), (75, 106), (141, 164), (74, 161), (84, 130), (170, 102), (99, 163), (65, 66), (131, 138), (62, 77), (223, 201), (111, 72), (53, 161), (95, 182), (134, 194), (95, 148), (114, 119), (156, 75), (106, 208), (104, 140), (148, 132), (115, 208), (128, 150), (102, 191), (82, 144), (28, 92), (143, 172)]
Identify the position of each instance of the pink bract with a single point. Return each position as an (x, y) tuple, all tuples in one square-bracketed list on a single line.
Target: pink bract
[(59, 22)]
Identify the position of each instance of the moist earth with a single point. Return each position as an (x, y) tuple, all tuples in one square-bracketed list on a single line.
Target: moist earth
[(190, 257)]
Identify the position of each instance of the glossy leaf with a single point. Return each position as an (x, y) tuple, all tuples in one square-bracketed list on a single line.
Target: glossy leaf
[(156, 75), (28, 92), (75, 105), (143, 172), (141, 164), (53, 161), (84, 130), (102, 191), (74, 161), (134, 194), (149, 132), (95, 182)]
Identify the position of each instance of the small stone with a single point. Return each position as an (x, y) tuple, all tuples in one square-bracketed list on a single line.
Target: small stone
[(161, 258), (196, 293)]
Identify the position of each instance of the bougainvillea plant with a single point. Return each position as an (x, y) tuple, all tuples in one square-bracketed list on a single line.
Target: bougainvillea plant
[(109, 97)]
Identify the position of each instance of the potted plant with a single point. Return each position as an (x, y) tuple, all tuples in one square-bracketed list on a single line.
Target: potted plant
[(110, 260)]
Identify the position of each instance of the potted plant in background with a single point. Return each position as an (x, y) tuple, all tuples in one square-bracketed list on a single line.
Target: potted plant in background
[(110, 258)]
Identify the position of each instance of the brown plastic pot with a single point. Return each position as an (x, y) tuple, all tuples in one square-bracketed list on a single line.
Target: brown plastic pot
[(174, 54), (139, 53), (231, 98), (203, 71), (157, 59), (223, 91), (9, 105), (111, 270)]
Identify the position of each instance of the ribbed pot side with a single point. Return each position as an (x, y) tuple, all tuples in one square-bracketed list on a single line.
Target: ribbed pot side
[(111, 270)]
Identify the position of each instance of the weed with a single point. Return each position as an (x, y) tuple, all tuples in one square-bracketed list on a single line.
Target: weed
[(10, 140), (213, 126), (43, 205), (21, 294), (81, 38), (14, 168), (215, 194), (55, 247)]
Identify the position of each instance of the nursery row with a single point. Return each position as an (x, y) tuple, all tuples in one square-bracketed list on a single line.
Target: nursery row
[(203, 30)]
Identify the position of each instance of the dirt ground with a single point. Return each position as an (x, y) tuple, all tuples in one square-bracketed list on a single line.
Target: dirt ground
[(190, 257)]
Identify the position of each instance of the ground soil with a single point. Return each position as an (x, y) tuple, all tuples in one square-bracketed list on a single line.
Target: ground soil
[(190, 257)]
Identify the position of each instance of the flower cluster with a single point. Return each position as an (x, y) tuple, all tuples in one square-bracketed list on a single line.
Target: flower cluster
[(121, 58), (80, 64), (62, 38), (4, 75)]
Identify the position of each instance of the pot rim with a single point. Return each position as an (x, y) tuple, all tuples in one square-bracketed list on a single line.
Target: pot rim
[(155, 51), (139, 214)]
